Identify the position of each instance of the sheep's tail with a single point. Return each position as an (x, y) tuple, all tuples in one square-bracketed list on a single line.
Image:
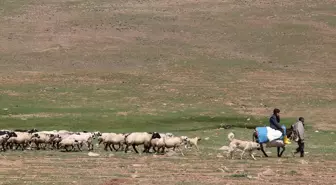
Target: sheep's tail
[(230, 136)]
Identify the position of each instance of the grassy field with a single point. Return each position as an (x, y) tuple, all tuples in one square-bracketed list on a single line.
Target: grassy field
[(170, 66)]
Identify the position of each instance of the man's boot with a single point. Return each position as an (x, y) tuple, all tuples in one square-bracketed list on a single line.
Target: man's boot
[(302, 154)]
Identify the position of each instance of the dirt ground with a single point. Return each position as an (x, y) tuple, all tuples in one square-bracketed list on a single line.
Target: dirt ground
[(111, 169)]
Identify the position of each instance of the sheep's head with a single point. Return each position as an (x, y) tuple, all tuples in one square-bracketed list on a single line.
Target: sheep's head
[(32, 130), (155, 135), (35, 136), (169, 134), (12, 134), (97, 133), (184, 138)]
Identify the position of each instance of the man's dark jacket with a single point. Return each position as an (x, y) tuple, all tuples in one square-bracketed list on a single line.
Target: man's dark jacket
[(274, 123)]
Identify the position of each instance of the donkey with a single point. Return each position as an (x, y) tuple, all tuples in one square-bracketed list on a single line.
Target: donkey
[(275, 143)]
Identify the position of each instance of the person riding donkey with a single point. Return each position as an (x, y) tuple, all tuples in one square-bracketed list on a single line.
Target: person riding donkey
[(275, 135), (275, 124)]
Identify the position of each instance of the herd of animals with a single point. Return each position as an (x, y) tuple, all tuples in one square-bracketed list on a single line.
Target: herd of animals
[(157, 142), (70, 141)]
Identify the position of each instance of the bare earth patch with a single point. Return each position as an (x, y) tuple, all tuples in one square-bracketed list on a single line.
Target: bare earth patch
[(150, 170)]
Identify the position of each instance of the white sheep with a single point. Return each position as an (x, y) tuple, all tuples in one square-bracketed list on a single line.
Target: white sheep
[(43, 138), (140, 138), (175, 142), (86, 138), (22, 139), (112, 139), (3, 140), (159, 143), (65, 143)]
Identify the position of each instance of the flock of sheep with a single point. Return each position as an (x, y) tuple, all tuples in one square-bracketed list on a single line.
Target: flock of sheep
[(71, 141)]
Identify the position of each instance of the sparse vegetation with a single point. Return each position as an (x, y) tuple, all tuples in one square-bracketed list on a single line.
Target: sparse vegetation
[(187, 67)]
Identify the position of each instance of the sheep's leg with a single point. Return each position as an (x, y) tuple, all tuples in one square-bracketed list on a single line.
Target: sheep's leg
[(52, 146), (114, 147), (37, 146), (111, 147), (23, 146), (66, 148), (8, 145), (120, 147), (145, 149), (44, 146), (3, 147), (154, 149), (105, 147), (17, 146), (79, 147), (90, 146), (136, 151), (174, 148), (197, 147), (126, 148)]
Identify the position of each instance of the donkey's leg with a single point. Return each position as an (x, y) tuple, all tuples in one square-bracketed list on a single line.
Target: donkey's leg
[(262, 149), (283, 149)]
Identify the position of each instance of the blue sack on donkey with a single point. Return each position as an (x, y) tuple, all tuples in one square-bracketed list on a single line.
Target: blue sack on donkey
[(263, 135)]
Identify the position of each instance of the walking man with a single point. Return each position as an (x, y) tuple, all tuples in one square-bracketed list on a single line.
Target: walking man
[(298, 129)]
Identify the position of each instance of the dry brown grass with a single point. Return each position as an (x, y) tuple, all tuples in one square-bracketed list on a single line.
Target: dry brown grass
[(256, 54)]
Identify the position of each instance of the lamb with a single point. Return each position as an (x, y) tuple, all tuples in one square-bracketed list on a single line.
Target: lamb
[(65, 143), (140, 138), (175, 142)]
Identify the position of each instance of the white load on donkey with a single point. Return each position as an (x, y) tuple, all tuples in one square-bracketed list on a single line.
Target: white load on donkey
[(272, 138)]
